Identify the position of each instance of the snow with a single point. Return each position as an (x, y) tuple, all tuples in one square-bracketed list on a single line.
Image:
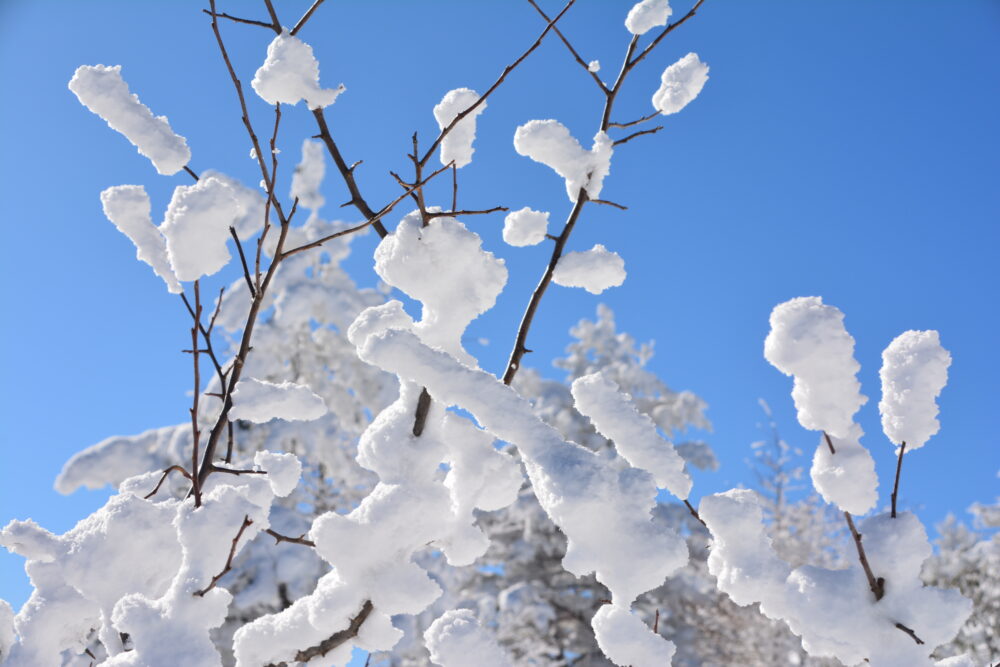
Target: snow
[(680, 84), (196, 227), (102, 90), (128, 207), (594, 270), (457, 144), (283, 471), (456, 640), (629, 642), (549, 142), (525, 227), (616, 418), (260, 401), (308, 176), (594, 66), (250, 218), (834, 611), (808, 341), (914, 371), (646, 15), (290, 73), (847, 479)]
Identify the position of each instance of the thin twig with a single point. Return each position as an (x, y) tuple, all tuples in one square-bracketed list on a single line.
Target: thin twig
[(452, 214), (191, 173), (275, 23), (895, 487), (420, 415), (632, 136), (877, 585), (163, 478), (694, 512), (233, 471), (656, 623), (305, 17), (666, 31), (637, 121), (237, 19), (911, 633), (195, 432), (605, 202), (243, 261), (576, 56), (829, 442), (301, 539), (454, 187), (247, 522), (334, 640)]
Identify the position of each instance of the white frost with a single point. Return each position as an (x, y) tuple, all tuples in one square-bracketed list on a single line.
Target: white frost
[(646, 15), (594, 270), (197, 227), (290, 73), (634, 434), (549, 142), (680, 84), (594, 66), (128, 207), (627, 641), (102, 90), (914, 371), (260, 401), (308, 176), (456, 640), (808, 341), (457, 144), (525, 227)]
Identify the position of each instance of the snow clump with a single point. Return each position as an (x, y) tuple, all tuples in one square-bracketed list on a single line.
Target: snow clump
[(102, 90), (549, 142), (457, 144), (646, 15), (456, 640), (260, 401), (128, 207), (680, 84), (290, 73), (594, 270), (914, 371), (525, 227), (626, 640), (308, 176), (196, 227)]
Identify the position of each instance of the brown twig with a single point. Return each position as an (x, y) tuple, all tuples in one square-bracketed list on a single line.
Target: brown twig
[(247, 522), (637, 121), (694, 512), (452, 214), (301, 539), (334, 640), (910, 632), (877, 585), (237, 19), (305, 17), (656, 623), (233, 471), (195, 432), (895, 487), (275, 23), (420, 415), (666, 31), (191, 173), (163, 478), (605, 202), (243, 261), (454, 187), (632, 136), (829, 442), (576, 56)]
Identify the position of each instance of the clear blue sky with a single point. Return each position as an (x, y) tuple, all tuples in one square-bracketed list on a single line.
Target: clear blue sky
[(845, 149)]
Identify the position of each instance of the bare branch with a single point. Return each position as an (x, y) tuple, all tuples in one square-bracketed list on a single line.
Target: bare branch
[(334, 640), (576, 56), (305, 17), (637, 121), (247, 522), (829, 442), (275, 23), (632, 136), (237, 19), (301, 539), (420, 416), (910, 632), (191, 173), (163, 478), (895, 487), (694, 513), (877, 585), (243, 261), (666, 31), (605, 202), (451, 214)]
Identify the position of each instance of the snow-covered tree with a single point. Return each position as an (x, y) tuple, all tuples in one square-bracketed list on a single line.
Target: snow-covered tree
[(349, 478)]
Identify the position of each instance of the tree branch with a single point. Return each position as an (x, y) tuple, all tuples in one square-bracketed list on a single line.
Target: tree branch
[(895, 487), (636, 122), (877, 585), (163, 478), (243, 261), (576, 56), (334, 640), (247, 522), (237, 19), (632, 136), (305, 17), (301, 539)]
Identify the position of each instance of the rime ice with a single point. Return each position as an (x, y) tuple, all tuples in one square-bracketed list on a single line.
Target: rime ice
[(646, 15), (260, 401), (309, 174), (629, 642), (290, 73), (594, 270), (196, 227), (457, 144), (102, 90), (549, 142), (525, 227), (914, 371), (128, 207), (456, 640), (680, 84)]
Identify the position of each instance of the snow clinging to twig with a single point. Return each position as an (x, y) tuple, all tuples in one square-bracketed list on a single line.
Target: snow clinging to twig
[(128, 207), (196, 227), (308, 176), (549, 142), (102, 90), (646, 15), (456, 640), (525, 227), (680, 84), (291, 73), (260, 401), (914, 371), (457, 144), (594, 270)]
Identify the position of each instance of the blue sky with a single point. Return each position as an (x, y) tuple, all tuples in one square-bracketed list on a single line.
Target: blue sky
[(848, 150)]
